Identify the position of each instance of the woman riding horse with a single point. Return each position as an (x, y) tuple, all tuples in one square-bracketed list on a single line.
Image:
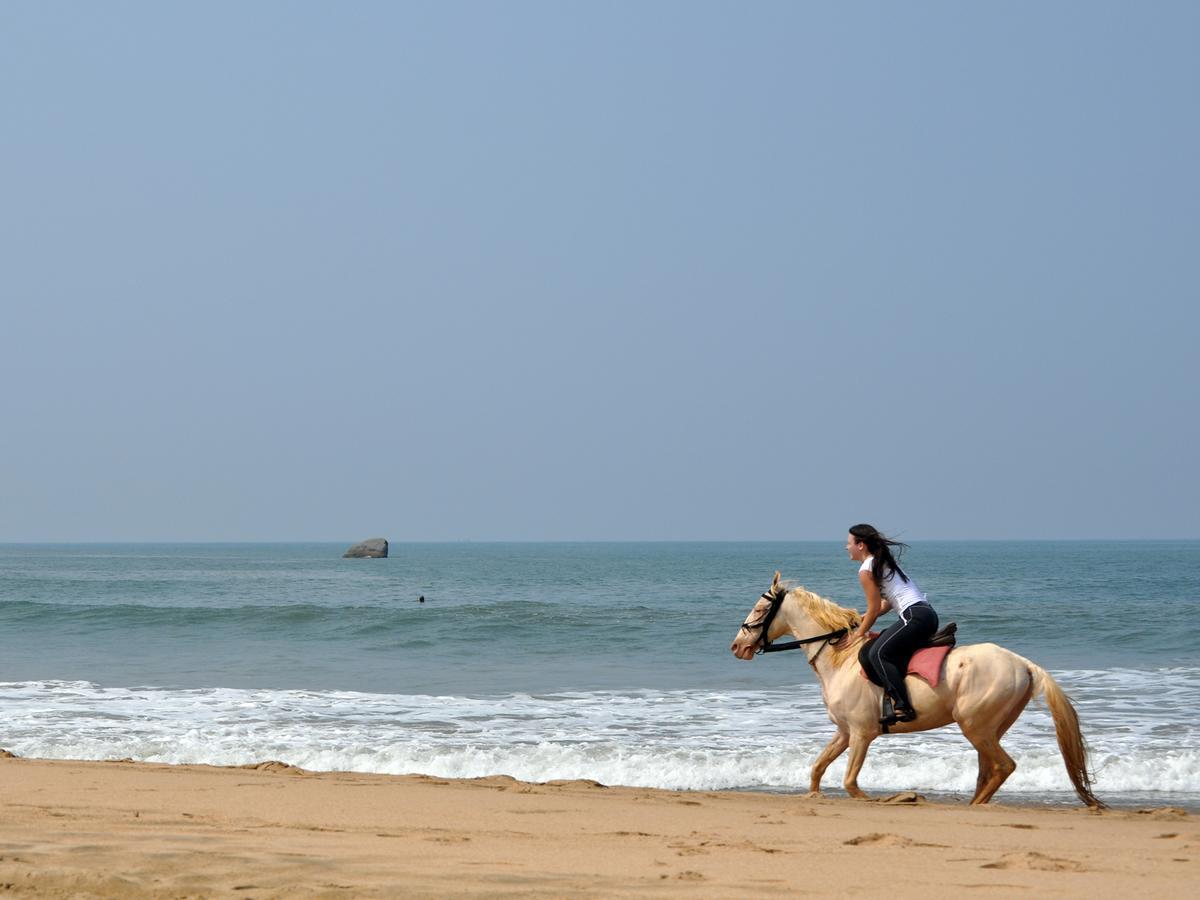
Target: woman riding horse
[(982, 687), (887, 586)]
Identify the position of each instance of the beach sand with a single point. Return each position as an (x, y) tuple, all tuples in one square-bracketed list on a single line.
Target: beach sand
[(121, 829)]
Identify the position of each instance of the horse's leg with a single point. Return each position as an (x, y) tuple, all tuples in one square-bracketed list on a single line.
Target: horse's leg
[(984, 733), (832, 751), (985, 771), (1015, 712), (859, 743), (992, 759), (995, 765)]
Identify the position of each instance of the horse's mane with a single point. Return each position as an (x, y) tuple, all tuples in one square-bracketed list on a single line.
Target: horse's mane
[(824, 612), (829, 616)]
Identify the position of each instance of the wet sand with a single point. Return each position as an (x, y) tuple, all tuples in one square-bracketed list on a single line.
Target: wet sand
[(120, 829)]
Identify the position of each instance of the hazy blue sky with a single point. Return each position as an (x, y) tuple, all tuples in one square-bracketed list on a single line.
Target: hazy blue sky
[(440, 271)]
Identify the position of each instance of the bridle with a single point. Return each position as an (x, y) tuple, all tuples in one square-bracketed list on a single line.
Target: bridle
[(765, 646)]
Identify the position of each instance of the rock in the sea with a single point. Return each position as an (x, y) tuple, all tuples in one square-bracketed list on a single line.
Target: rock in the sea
[(375, 548)]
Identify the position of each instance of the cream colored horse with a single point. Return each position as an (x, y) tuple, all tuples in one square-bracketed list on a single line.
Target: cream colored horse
[(984, 688)]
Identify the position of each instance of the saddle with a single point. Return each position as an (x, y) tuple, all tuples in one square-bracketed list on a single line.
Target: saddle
[(926, 662)]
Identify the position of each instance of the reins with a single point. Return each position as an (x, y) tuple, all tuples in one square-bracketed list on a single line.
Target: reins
[(765, 645)]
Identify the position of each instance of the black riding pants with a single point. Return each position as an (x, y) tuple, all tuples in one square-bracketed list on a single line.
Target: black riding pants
[(890, 654)]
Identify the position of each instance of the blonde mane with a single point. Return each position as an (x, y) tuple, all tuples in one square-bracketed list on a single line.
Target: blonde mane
[(831, 617), (824, 612)]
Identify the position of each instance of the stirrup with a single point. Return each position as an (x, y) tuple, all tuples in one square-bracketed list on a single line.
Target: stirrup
[(887, 713), (890, 715)]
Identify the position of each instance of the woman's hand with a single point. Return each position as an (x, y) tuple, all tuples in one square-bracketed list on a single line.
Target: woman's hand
[(849, 638)]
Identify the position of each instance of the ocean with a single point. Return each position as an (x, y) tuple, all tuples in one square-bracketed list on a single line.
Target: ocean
[(604, 661)]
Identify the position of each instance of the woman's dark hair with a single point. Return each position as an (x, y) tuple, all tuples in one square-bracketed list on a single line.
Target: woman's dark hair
[(880, 547)]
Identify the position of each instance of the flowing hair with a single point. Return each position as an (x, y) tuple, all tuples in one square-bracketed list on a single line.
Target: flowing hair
[(880, 547)]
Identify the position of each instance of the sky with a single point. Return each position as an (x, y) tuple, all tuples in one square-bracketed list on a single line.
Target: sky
[(448, 271)]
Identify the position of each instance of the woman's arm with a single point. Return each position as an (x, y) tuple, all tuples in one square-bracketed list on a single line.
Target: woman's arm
[(875, 605)]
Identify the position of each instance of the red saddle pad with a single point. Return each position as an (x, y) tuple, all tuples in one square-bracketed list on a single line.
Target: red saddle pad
[(926, 663)]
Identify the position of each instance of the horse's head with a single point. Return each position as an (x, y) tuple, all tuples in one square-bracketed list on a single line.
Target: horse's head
[(762, 625)]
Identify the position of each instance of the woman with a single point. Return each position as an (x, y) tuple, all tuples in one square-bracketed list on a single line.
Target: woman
[(887, 586)]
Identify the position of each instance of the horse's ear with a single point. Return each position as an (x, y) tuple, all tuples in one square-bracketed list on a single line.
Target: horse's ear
[(775, 583)]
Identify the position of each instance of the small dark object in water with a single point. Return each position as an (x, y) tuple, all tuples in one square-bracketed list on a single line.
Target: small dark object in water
[(421, 599)]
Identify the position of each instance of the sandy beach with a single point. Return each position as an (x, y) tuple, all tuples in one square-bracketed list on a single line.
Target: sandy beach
[(121, 829)]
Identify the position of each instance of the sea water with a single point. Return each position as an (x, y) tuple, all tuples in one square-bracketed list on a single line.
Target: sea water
[(605, 661)]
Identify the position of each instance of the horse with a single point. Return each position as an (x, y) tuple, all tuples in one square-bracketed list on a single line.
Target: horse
[(984, 689)]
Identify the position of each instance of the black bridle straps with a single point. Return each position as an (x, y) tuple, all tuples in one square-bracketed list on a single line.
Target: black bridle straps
[(829, 638), (776, 600), (766, 646)]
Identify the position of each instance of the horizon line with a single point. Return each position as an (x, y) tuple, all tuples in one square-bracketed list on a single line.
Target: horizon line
[(341, 542)]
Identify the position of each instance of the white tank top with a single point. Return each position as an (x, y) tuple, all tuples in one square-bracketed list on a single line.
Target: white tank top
[(899, 593)]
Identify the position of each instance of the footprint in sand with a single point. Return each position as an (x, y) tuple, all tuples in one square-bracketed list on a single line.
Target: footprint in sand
[(576, 783), (878, 839), (1033, 861), (688, 850), (902, 797), (1164, 812), (273, 765)]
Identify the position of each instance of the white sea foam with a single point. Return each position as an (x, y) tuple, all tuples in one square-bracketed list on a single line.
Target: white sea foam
[(1141, 739)]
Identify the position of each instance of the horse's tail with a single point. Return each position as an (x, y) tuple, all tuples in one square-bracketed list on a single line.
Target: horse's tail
[(1066, 729)]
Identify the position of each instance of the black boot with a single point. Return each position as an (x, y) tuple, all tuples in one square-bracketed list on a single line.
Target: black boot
[(887, 715), (894, 712)]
